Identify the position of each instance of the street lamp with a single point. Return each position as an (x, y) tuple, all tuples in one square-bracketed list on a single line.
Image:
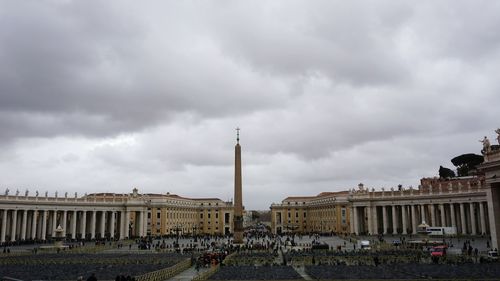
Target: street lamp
[(177, 229)]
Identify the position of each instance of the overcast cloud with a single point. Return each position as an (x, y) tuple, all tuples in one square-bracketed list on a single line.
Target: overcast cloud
[(109, 95)]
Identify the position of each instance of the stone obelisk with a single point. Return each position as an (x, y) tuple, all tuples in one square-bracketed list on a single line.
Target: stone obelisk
[(238, 201)]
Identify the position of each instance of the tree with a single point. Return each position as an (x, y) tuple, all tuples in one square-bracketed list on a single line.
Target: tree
[(467, 163), (445, 173)]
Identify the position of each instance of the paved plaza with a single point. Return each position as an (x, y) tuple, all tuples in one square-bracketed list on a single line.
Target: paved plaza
[(264, 258)]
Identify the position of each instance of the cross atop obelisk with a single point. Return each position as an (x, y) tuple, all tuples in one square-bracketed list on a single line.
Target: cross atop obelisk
[(238, 201)]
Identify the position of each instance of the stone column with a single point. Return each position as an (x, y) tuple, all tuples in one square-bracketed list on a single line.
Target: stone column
[(472, 219), (24, 224), (351, 219), (422, 213), (112, 225), (73, 224), (127, 227), (141, 223), (64, 218), (482, 218), (92, 224), (54, 223), (102, 227), (44, 224), (84, 224), (384, 219), (4, 226), (443, 217), (375, 221), (453, 219), (356, 229), (433, 215), (122, 225), (145, 223), (462, 219), (394, 220), (14, 226), (369, 221), (404, 218), (413, 220), (33, 224)]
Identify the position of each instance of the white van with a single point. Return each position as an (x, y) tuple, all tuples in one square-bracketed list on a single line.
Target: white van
[(365, 245)]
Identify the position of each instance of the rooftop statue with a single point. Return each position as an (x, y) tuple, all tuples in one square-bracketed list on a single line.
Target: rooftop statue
[(7, 191), (498, 137), (17, 192), (26, 193), (486, 145)]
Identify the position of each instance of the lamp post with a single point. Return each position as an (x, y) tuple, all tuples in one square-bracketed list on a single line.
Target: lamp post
[(177, 229)]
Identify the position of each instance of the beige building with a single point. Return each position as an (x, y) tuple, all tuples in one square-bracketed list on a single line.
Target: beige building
[(104, 215), (327, 212), (459, 203)]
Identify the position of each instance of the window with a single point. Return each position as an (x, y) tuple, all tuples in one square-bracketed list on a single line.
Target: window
[(296, 214), (149, 215), (201, 215), (158, 215), (208, 215), (305, 214), (216, 215)]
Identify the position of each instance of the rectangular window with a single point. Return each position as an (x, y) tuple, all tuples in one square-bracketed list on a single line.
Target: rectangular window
[(158, 215), (305, 214), (296, 214), (201, 215), (216, 215), (208, 215)]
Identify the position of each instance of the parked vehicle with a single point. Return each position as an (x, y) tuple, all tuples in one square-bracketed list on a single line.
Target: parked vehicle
[(493, 255), (365, 245), (441, 230), (439, 251)]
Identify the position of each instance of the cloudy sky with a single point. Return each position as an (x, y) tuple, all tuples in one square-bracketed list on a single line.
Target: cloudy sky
[(104, 96)]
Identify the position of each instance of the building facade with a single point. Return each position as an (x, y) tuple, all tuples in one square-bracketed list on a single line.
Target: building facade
[(460, 203), (328, 212), (110, 215)]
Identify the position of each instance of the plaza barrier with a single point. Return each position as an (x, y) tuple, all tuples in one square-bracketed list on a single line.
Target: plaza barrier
[(165, 273)]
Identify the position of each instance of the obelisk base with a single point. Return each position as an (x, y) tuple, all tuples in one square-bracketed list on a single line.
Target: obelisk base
[(238, 230)]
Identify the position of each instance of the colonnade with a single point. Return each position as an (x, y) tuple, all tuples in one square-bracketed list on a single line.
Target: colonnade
[(38, 224), (467, 217)]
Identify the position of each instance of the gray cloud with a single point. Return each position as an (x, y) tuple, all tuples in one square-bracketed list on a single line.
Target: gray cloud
[(108, 95)]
